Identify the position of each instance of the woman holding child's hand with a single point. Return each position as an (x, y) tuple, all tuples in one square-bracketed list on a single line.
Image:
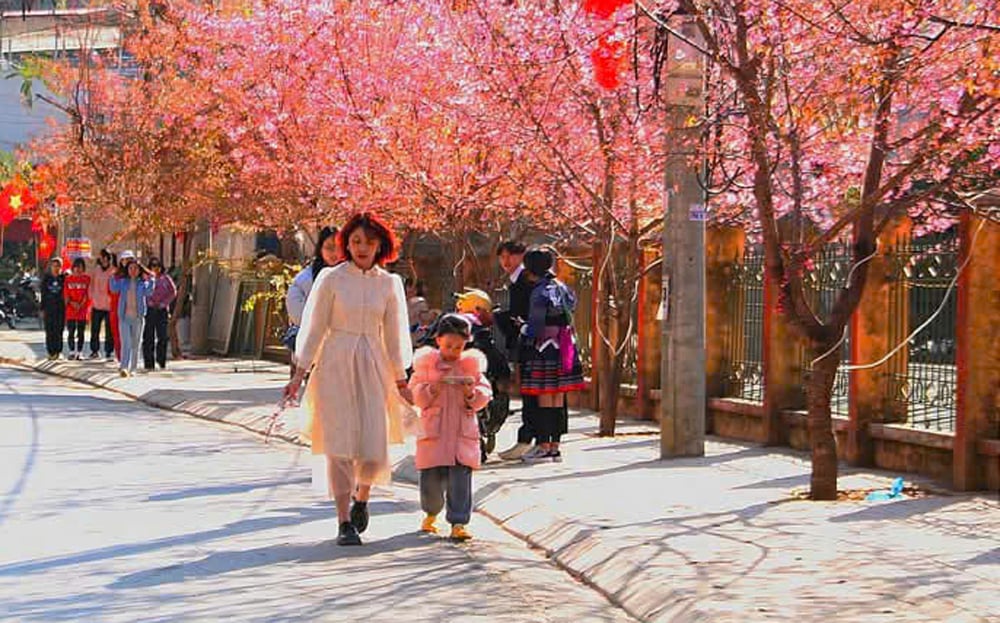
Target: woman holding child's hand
[(355, 337)]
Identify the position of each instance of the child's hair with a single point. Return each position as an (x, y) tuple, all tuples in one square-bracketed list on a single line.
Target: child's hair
[(453, 324), (78, 262)]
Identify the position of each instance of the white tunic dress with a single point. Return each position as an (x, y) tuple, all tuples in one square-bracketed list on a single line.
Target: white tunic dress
[(355, 331)]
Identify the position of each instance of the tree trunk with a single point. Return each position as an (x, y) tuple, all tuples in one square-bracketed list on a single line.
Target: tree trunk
[(182, 291), (819, 390), (610, 390)]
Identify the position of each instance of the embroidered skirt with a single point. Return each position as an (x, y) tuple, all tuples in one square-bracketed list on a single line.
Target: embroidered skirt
[(552, 364)]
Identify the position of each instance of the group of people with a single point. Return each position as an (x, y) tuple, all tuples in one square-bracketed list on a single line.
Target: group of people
[(351, 333), (128, 301)]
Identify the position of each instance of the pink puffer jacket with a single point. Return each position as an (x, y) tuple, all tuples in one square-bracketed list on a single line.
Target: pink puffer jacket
[(449, 431)]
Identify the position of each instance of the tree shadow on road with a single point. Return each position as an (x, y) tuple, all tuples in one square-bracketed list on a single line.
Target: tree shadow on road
[(228, 489), (282, 518), (229, 561)]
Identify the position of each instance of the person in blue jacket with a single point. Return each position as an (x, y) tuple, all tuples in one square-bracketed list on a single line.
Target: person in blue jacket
[(133, 284)]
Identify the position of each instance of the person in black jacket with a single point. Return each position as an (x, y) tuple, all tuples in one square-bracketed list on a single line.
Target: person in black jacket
[(509, 321), (54, 307)]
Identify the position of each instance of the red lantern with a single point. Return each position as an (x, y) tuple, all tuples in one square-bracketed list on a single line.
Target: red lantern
[(45, 246), (608, 60), (603, 8)]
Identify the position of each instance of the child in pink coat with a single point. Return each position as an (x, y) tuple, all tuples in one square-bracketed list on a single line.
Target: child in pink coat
[(449, 387)]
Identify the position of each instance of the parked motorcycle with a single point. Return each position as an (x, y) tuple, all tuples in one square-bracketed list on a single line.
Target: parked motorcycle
[(21, 296), (8, 310)]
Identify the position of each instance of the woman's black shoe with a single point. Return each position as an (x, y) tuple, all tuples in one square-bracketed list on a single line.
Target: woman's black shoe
[(359, 515), (348, 534)]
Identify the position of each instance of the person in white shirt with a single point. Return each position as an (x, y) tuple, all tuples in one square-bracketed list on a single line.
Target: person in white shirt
[(326, 254)]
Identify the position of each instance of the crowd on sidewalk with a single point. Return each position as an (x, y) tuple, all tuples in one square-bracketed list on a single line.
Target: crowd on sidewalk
[(125, 300), (354, 328)]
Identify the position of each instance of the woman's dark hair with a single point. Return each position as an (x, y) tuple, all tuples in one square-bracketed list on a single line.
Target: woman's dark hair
[(79, 262), (154, 262), (418, 285), (453, 324), (123, 267), (539, 261), (513, 247), (113, 258), (318, 262), (388, 249)]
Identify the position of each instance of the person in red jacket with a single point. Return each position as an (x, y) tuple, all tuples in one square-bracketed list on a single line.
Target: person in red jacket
[(77, 296)]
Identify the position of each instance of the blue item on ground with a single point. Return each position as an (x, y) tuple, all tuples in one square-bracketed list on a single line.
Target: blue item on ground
[(895, 492)]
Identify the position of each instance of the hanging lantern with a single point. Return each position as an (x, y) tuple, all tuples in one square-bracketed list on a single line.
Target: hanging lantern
[(603, 8), (46, 244), (608, 60)]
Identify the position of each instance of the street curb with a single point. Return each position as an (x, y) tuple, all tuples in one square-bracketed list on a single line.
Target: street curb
[(89, 377), (405, 467), (405, 471), (551, 552)]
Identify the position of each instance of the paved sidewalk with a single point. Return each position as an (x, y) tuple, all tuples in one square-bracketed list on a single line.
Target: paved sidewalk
[(718, 538)]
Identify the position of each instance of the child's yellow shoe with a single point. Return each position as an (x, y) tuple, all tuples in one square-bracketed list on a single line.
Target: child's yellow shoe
[(428, 525), (460, 533)]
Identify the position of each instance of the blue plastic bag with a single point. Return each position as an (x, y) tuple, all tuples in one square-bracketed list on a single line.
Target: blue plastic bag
[(895, 492)]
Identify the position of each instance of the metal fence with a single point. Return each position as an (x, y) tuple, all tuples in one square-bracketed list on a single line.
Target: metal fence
[(823, 283), (923, 380), (744, 363)]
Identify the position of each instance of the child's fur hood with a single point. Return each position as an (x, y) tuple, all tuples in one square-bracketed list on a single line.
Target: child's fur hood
[(427, 358)]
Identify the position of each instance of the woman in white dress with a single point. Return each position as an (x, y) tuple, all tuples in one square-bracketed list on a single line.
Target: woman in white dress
[(355, 338)]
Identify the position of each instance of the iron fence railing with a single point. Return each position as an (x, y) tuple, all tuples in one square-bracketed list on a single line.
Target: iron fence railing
[(743, 367), (922, 382), (823, 283)]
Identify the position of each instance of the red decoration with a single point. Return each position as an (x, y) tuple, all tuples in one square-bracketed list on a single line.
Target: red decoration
[(603, 8), (608, 60), (37, 225), (6, 213), (45, 246)]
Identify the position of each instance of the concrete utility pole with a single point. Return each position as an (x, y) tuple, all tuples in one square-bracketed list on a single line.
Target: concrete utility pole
[(682, 408)]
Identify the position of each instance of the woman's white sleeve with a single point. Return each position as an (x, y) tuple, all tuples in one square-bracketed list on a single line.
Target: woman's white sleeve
[(298, 294), (397, 330), (315, 320)]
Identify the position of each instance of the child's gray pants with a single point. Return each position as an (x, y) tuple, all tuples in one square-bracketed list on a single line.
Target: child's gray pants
[(456, 481)]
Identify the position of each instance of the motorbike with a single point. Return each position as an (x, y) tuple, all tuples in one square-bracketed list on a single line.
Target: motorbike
[(8, 310), (23, 294)]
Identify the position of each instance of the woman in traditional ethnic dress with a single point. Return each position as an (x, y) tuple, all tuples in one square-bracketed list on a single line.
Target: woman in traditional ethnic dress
[(551, 367), (355, 338)]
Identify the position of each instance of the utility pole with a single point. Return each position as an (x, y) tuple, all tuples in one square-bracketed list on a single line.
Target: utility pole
[(682, 407)]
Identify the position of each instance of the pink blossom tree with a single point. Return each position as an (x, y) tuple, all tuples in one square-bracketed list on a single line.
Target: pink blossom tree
[(845, 117), (597, 147)]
